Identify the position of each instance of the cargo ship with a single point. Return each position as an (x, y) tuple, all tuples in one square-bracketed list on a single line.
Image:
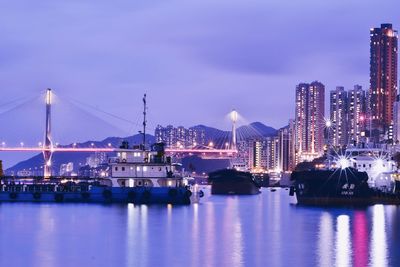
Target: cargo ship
[(233, 182), (360, 177), (137, 176)]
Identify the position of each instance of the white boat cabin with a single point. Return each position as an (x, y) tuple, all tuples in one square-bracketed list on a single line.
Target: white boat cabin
[(136, 167)]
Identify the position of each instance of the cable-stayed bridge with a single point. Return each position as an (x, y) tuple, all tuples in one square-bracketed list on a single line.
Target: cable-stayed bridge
[(48, 146)]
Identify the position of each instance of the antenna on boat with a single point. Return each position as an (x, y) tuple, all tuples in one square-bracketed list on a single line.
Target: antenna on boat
[(144, 121)]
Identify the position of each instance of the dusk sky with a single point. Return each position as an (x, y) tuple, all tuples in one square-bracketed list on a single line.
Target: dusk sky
[(196, 60)]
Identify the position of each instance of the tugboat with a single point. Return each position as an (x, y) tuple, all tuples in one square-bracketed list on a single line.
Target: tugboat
[(138, 175), (233, 182), (360, 177)]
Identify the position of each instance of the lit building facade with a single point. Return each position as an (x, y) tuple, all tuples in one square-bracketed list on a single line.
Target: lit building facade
[(285, 149), (383, 78), (180, 137), (396, 121), (338, 117), (357, 118), (256, 153), (309, 120)]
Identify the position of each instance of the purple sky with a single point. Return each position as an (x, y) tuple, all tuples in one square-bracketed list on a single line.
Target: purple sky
[(196, 60)]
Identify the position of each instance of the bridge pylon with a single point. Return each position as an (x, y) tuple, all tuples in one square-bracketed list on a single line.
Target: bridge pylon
[(47, 144), (234, 118)]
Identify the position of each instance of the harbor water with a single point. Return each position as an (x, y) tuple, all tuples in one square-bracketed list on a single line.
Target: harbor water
[(261, 230)]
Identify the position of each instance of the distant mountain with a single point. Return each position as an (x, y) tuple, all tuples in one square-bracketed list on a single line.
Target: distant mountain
[(253, 130), (212, 133)]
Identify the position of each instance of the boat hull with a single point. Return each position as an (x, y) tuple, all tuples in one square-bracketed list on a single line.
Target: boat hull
[(232, 182), (338, 187), (100, 194)]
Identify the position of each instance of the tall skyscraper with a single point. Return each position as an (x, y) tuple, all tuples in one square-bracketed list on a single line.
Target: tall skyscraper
[(309, 121), (338, 110), (285, 155), (396, 121), (383, 78), (357, 118), (256, 159)]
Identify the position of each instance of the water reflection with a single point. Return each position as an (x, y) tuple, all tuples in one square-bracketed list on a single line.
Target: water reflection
[(325, 240), (195, 236), (378, 241), (343, 243), (233, 233), (360, 239), (143, 238), (261, 230), (131, 230), (210, 250), (44, 240)]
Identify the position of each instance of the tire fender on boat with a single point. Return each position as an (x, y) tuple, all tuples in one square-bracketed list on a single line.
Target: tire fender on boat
[(131, 195), (172, 192), (201, 193), (107, 194), (188, 193), (37, 195), (85, 195), (291, 192), (146, 195), (59, 197)]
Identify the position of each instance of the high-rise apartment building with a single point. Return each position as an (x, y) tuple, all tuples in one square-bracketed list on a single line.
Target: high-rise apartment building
[(383, 78), (357, 119), (338, 117), (309, 121), (180, 137), (396, 121), (285, 149), (257, 152)]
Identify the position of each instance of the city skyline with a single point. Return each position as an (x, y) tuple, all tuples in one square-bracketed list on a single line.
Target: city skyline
[(163, 52)]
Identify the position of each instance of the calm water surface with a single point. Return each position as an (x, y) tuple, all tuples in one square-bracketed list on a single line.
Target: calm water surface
[(262, 230)]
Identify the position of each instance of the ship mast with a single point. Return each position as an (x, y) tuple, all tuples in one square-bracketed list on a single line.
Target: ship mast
[(144, 122)]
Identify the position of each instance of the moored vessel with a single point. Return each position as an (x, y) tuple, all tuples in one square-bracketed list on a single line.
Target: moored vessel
[(360, 177), (233, 182), (137, 176)]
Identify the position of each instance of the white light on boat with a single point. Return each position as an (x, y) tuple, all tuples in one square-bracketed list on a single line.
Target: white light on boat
[(169, 183), (131, 184), (379, 166), (343, 162)]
